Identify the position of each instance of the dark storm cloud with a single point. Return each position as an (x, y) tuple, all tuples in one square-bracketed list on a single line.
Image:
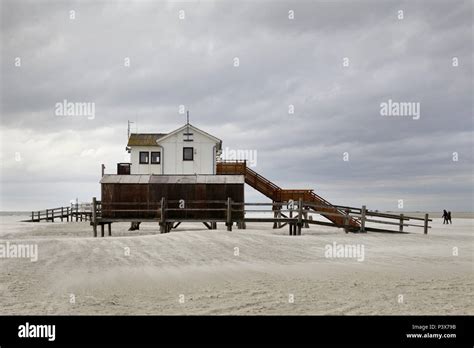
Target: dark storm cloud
[(282, 62)]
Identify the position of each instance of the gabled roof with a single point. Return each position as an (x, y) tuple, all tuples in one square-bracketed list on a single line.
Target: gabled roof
[(217, 140), (144, 139)]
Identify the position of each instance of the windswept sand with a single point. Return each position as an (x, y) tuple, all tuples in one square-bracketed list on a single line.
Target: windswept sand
[(200, 264)]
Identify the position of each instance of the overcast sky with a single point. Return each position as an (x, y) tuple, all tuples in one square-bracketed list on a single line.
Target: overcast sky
[(47, 160)]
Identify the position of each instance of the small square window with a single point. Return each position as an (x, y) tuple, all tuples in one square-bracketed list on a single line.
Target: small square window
[(188, 154), (144, 155), (155, 158)]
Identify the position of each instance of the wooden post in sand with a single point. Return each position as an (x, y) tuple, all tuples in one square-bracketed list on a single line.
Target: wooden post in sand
[(346, 221), (426, 224), (162, 217), (400, 227), (32, 216), (94, 216), (362, 219), (300, 217), (229, 214), (110, 229)]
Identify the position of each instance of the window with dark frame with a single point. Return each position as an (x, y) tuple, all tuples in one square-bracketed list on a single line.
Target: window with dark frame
[(155, 157), (188, 154), (144, 155)]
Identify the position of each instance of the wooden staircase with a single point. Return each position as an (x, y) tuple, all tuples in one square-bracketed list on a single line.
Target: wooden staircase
[(277, 194)]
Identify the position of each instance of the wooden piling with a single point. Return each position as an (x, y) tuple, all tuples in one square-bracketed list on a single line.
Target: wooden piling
[(300, 217), (305, 216), (162, 216), (94, 216), (62, 214), (32, 216), (110, 229), (426, 224), (229, 214), (400, 227)]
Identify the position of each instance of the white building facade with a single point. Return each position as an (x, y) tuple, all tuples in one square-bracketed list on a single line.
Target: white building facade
[(187, 150)]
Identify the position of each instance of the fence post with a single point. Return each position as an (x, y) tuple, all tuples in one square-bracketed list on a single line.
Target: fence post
[(229, 214), (52, 215), (67, 214), (400, 228), (39, 216), (300, 216), (62, 214), (305, 214), (346, 221), (77, 210), (47, 215), (426, 224), (275, 215), (162, 217), (362, 219), (32, 216), (94, 216)]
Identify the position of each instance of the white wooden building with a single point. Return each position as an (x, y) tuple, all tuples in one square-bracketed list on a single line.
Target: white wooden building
[(187, 150)]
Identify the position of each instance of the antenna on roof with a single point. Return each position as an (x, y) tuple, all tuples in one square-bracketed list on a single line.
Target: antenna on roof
[(187, 117), (128, 129)]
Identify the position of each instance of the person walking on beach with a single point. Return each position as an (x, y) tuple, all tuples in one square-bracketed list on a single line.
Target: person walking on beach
[(449, 217), (445, 217)]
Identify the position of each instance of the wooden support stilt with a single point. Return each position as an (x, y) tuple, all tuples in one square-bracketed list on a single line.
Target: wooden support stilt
[(229, 214), (276, 215), (32, 216), (162, 217), (300, 217), (400, 226), (305, 217), (110, 228), (102, 234), (94, 216)]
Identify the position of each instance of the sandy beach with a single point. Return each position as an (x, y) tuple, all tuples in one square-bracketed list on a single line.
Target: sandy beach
[(259, 270)]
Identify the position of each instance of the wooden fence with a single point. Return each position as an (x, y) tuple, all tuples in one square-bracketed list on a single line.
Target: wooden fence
[(76, 211), (295, 215)]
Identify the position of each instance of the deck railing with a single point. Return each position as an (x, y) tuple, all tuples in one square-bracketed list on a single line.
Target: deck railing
[(295, 214)]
